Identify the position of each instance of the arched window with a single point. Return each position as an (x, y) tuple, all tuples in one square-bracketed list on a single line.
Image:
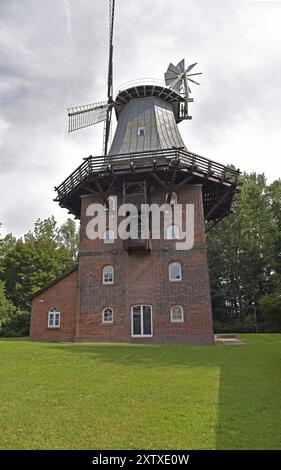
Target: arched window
[(173, 232), (175, 272), (107, 315), (174, 198), (108, 236), (141, 131), (177, 315), (54, 318), (108, 275)]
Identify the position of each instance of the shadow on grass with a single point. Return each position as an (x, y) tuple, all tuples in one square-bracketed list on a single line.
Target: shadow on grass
[(249, 400), (146, 355)]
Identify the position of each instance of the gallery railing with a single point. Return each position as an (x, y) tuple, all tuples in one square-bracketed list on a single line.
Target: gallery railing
[(101, 165)]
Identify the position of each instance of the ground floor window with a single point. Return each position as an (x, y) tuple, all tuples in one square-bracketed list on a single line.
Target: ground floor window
[(177, 315), (54, 318), (141, 320), (107, 315)]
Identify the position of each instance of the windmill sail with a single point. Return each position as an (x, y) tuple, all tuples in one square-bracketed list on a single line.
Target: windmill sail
[(90, 114), (171, 75), (87, 115), (177, 78), (109, 79)]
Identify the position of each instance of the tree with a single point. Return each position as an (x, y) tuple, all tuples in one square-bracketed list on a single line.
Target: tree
[(34, 261), (242, 252), (6, 308), (274, 192), (7, 244), (270, 312), (69, 237)]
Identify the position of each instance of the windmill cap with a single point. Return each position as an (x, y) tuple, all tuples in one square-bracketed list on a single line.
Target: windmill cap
[(143, 89)]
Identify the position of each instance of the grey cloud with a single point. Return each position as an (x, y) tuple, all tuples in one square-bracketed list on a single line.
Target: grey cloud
[(53, 55)]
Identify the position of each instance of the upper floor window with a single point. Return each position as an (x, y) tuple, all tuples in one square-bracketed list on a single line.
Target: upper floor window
[(173, 199), (107, 315), (54, 318), (175, 272), (173, 232), (108, 236), (177, 315), (108, 275), (141, 131)]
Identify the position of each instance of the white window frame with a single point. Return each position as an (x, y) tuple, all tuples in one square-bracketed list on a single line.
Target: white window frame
[(53, 312), (170, 233), (106, 240), (107, 322), (171, 314), (141, 314), (171, 279), (104, 274), (140, 130)]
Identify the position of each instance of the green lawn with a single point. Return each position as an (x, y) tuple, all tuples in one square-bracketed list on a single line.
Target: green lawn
[(92, 396)]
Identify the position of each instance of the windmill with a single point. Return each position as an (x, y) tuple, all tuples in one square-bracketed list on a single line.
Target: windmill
[(177, 78), (93, 113)]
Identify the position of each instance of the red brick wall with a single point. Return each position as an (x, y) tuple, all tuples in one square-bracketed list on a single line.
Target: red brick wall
[(139, 279), (144, 279), (63, 295)]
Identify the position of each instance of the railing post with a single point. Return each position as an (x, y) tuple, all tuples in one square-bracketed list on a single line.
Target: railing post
[(90, 166)]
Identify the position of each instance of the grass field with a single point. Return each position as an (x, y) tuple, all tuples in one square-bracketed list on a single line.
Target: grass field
[(104, 396)]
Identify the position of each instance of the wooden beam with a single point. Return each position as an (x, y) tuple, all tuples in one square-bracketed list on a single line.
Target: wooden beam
[(104, 194), (110, 185), (215, 222), (220, 201), (100, 190), (172, 185), (91, 190), (156, 177), (185, 180)]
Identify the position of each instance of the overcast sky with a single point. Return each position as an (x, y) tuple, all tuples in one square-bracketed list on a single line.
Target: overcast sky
[(53, 55)]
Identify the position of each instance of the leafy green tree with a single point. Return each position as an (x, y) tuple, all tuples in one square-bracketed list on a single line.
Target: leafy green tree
[(6, 308), (69, 237), (242, 252), (274, 192), (6, 244), (34, 261), (270, 312)]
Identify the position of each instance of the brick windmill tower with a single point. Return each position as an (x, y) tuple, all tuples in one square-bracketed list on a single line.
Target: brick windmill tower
[(138, 288)]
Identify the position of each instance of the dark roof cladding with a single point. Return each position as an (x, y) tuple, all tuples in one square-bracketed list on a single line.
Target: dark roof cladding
[(146, 124)]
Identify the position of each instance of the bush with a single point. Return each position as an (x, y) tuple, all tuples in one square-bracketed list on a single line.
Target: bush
[(17, 324), (246, 326), (270, 312)]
